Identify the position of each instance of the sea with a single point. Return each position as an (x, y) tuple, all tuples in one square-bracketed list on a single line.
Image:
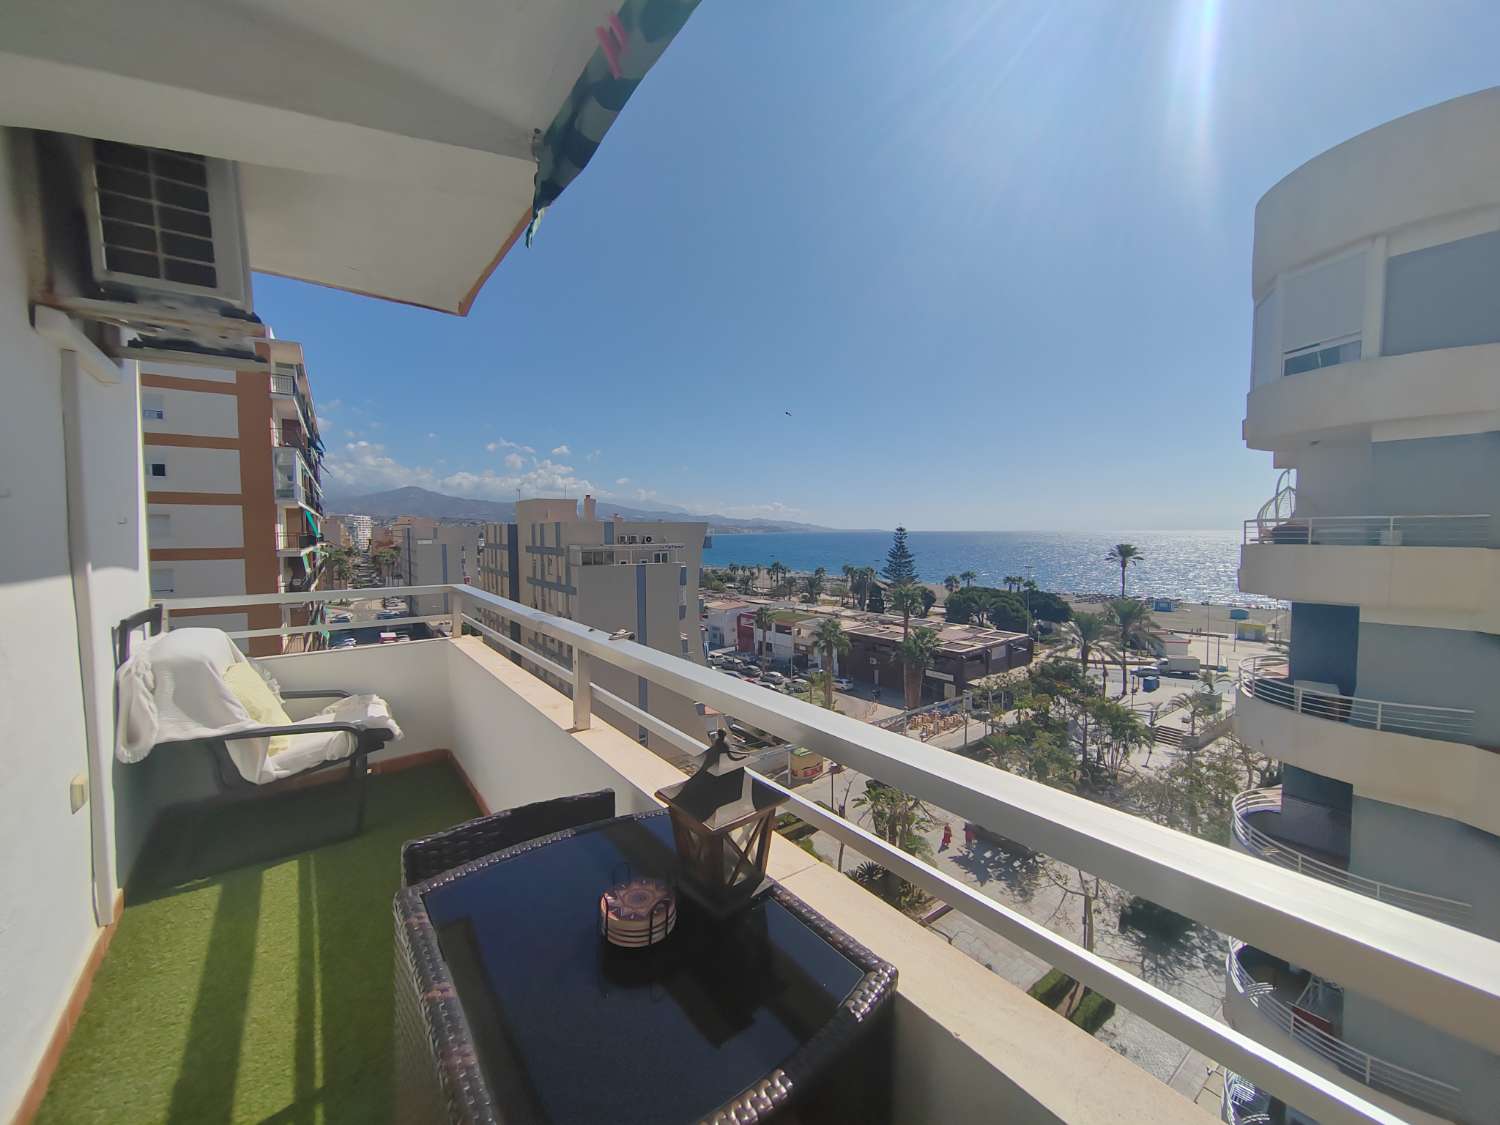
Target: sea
[(1194, 566)]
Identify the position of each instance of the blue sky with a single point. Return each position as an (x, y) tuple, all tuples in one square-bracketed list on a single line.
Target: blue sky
[(992, 257)]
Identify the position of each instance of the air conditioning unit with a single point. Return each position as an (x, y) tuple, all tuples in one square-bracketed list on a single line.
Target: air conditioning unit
[(647, 539), (165, 226)]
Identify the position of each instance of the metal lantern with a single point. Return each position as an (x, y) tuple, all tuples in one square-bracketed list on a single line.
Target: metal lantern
[(722, 820)]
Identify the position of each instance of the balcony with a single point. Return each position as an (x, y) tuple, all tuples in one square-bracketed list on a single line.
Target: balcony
[(1351, 398), (1257, 817), (1304, 1012), (290, 543), (1406, 754), (262, 980), (1442, 570), (296, 483)]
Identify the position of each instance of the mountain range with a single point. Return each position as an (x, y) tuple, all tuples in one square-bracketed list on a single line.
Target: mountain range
[(413, 501)]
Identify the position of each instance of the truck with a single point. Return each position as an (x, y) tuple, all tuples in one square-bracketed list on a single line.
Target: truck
[(1183, 666)]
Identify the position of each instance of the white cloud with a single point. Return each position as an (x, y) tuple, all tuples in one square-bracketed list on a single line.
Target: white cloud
[(622, 480), (496, 446), (331, 406), (514, 461), (561, 451), (362, 466), (431, 434), (594, 455)]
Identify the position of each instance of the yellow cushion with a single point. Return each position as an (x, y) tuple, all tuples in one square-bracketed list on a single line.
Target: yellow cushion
[(257, 698)]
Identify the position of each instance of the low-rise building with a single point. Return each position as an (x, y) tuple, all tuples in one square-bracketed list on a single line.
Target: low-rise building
[(965, 653)]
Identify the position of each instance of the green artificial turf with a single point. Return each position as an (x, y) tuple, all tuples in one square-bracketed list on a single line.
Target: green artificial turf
[(262, 993)]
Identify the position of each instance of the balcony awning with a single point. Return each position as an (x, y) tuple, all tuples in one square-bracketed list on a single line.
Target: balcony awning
[(312, 524), (392, 149), (630, 42)]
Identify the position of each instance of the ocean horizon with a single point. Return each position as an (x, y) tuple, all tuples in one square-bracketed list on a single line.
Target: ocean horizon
[(1194, 566)]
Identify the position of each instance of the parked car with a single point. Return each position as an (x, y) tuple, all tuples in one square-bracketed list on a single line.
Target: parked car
[(800, 684), (390, 614), (751, 672), (843, 683), (344, 642), (773, 678), (339, 618)]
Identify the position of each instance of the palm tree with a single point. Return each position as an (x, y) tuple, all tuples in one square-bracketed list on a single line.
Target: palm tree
[(951, 582), (849, 570), (1124, 554), (1087, 631), (830, 637), (385, 560), (778, 573), (734, 573), (866, 581), (1132, 625), (968, 577), (916, 657), (1011, 582), (341, 565), (764, 619), (905, 600)]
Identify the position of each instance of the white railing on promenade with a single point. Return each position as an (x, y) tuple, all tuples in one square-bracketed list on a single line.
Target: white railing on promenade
[(1251, 802), (1444, 976), (1266, 678), (1371, 531), (1377, 1073)]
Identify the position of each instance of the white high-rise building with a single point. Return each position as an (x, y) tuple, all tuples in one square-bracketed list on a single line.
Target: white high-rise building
[(360, 530), (1376, 385)]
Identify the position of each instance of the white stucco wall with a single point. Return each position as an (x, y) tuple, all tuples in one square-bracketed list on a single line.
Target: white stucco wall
[(194, 470), (201, 578), (200, 413), (197, 525), (47, 919)]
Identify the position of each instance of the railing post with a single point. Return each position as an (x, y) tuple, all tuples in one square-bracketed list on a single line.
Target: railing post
[(1379, 714), (455, 615), (583, 691), (1297, 700)]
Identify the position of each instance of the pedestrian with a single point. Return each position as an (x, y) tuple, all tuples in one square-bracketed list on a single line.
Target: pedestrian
[(947, 837), (969, 836)]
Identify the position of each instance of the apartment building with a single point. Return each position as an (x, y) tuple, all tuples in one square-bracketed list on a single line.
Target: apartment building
[(336, 532), (360, 529), (621, 576), (1376, 385), (433, 554), (232, 466)]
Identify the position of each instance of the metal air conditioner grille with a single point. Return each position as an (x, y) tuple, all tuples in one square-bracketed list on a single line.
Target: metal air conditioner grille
[(154, 214)]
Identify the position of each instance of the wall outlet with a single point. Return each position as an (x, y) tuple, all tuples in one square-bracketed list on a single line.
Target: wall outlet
[(78, 791)]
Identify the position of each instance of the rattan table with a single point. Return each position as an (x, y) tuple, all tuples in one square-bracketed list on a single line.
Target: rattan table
[(510, 1008)]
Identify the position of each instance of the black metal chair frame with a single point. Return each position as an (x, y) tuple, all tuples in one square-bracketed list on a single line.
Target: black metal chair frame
[(232, 784)]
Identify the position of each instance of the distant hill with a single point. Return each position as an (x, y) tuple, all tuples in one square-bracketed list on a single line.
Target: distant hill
[(413, 501)]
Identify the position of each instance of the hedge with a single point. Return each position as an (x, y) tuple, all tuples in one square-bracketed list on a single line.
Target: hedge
[(1093, 1011)]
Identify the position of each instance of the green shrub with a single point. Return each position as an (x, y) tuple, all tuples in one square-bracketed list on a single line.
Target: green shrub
[(1052, 987), (1093, 1011)]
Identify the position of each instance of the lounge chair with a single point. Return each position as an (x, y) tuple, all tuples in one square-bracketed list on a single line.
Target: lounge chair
[(195, 685)]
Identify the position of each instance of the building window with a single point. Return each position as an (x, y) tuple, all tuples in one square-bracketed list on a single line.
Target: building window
[(1323, 355), (158, 468), (153, 406), (163, 581)]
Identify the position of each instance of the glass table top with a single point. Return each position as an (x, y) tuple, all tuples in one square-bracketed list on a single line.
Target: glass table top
[(570, 1029)]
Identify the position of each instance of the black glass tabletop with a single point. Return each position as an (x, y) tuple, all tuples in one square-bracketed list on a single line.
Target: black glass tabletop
[(570, 1029)]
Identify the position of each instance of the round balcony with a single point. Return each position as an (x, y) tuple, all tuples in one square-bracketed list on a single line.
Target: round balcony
[(1303, 1015), (1257, 823)]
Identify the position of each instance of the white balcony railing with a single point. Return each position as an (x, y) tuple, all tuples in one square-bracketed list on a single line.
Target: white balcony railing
[(1243, 1104), (1266, 801), (1379, 1074), (1371, 531), (1438, 974), (1266, 678)]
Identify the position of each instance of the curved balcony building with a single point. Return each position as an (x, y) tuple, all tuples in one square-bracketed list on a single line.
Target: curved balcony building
[(1375, 383)]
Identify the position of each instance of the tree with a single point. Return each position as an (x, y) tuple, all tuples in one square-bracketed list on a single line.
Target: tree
[(951, 582), (905, 600), (1011, 582), (917, 651), (1124, 554), (814, 584), (778, 574), (341, 565), (901, 821), (874, 595), (1087, 631), (968, 577), (929, 599), (1133, 627), (830, 637), (850, 572), (764, 619), (900, 564), (1047, 606), (386, 559)]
